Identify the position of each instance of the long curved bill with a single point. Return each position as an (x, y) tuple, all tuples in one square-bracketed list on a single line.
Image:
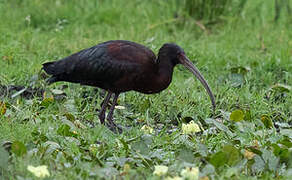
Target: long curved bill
[(189, 65)]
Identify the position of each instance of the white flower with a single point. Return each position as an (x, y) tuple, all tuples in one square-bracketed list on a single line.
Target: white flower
[(39, 171), (190, 173), (147, 129), (190, 128), (160, 170), (120, 107)]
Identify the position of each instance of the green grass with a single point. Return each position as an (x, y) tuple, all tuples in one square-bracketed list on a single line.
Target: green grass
[(34, 32)]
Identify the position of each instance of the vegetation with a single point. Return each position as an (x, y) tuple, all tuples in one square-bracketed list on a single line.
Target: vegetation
[(211, 10), (246, 58)]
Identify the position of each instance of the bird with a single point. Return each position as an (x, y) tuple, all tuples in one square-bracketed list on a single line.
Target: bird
[(118, 66)]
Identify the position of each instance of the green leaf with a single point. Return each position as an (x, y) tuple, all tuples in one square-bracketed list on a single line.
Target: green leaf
[(286, 141), (254, 150), (47, 101), (202, 149), (38, 136), (237, 80), (186, 155), (69, 123), (141, 147), (233, 154), (229, 155), (51, 146), (218, 159), (4, 157), (281, 88), (64, 130), (207, 170), (107, 173), (270, 159), (231, 172), (237, 115), (267, 121), (286, 132), (219, 125), (147, 138), (258, 165), (18, 148), (281, 152)]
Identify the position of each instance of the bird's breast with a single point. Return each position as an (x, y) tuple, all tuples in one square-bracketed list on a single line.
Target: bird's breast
[(153, 84)]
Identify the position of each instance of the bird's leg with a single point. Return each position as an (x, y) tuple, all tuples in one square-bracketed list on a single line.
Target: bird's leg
[(103, 107), (111, 112)]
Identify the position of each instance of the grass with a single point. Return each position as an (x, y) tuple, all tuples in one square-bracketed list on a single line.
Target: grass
[(48, 132)]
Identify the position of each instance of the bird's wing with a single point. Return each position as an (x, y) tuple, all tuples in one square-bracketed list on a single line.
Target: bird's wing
[(104, 62)]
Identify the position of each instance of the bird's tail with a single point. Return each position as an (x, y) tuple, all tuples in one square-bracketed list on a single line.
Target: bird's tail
[(50, 68)]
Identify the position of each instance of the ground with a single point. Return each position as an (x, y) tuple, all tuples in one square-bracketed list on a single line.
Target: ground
[(246, 60)]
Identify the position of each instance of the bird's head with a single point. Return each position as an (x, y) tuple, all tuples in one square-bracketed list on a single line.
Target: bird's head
[(172, 52), (177, 55)]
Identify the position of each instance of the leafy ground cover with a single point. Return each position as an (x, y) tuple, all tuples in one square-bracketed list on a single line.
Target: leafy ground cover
[(246, 60)]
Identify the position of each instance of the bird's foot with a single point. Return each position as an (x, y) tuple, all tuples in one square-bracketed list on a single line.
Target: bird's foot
[(114, 128)]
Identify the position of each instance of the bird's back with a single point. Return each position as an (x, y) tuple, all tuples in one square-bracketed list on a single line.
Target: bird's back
[(103, 65)]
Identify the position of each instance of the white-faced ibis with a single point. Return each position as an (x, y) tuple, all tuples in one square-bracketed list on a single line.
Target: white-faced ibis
[(119, 66)]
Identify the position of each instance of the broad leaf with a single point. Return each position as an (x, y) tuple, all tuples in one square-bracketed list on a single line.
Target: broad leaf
[(141, 147), (281, 88), (4, 157), (186, 155), (219, 125), (202, 149), (18, 148), (232, 153), (218, 159), (270, 159), (237, 80), (229, 155), (237, 115), (258, 165), (51, 146), (286, 132)]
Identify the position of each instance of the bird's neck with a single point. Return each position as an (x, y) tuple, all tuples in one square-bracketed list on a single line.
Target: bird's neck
[(165, 70), (165, 66)]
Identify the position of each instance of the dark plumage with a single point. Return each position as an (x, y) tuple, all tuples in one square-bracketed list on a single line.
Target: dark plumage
[(119, 66)]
